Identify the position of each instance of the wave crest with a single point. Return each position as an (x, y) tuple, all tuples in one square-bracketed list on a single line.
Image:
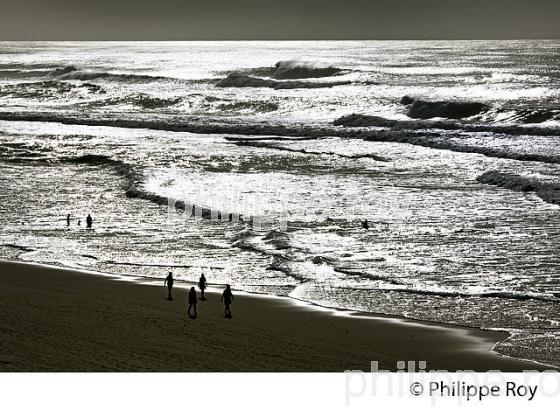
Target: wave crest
[(293, 69)]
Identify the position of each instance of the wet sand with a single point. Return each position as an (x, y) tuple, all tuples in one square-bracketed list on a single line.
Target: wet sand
[(54, 319)]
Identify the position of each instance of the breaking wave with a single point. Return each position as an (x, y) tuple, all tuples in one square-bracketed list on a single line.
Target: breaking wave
[(293, 69), (74, 73)]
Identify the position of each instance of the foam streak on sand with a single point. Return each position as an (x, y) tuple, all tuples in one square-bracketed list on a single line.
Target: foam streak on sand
[(55, 319)]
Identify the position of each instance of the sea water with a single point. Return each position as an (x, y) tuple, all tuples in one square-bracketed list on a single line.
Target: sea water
[(298, 143)]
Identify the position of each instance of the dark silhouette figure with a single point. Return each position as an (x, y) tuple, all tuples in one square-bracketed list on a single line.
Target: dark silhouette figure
[(79, 222), (365, 224), (227, 297), (192, 302), (169, 282), (89, 221), (68, 220), (202, 286)]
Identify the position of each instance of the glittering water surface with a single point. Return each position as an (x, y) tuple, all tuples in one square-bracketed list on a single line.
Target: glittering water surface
[(463, 213)]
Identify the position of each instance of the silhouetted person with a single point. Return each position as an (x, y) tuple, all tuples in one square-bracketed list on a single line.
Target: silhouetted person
[(68, 220), (202, 286), (79, 222), (169, 282), (192, 302), (89, 221), (365, 224), (227, 297)]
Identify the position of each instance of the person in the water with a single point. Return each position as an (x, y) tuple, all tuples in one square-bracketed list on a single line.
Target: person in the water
[(89, 221), (192, 302), (202, 286), (365, 224), (169, 282), (68, 220), (227, 297)]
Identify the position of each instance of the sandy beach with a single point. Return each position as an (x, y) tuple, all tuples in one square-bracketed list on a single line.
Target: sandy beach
[(54, 319)]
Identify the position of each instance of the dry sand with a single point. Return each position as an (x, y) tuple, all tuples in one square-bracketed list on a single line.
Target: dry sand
[(54, 319)]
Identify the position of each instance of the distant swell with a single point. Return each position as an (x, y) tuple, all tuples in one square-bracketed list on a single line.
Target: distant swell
[(241, 80), (352, 126), (547, 191)]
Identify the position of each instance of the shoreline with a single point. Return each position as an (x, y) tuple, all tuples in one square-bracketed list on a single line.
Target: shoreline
[(299, 336)]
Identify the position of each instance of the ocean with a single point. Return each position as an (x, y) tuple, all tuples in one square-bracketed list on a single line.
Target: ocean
[(449, 149)]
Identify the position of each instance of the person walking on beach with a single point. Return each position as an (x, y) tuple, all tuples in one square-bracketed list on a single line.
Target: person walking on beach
[(227, 297), (202, 286), (192, 303), (169, 282), (89, 221)]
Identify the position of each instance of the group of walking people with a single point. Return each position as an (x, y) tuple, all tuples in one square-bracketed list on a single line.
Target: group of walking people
[(227, 296), (89, 221)]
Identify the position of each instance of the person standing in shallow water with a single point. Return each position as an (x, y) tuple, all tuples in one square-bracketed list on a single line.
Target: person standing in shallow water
[(169, 282), (202, 286), (192, 303), (68, 220), (89, 221), (227, 297)]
